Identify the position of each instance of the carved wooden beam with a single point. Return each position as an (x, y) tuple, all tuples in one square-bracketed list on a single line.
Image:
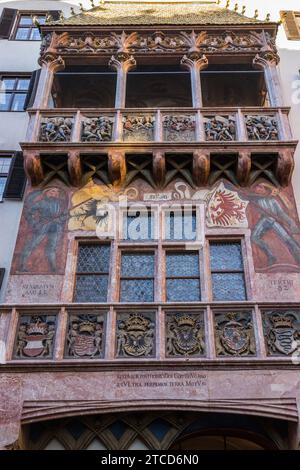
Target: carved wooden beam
[(33, 167), (159, 168), (285, 167), (117, 167), (75, 167), (201, 167), (243, 167)]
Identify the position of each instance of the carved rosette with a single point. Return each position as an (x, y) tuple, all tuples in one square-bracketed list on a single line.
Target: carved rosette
[(220, 128), (184, 335), (35, 337), (138, 128), (282, 332), (97, 129), (56, 129), (234, 334), (135, 335), (85, 336), (179, 127), (261, 127)]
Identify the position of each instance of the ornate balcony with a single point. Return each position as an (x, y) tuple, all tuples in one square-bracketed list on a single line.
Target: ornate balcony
[(200, 333), (199, 132)]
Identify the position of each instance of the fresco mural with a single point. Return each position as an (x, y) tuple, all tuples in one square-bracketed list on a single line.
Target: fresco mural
[(269, 212), (41, 243)]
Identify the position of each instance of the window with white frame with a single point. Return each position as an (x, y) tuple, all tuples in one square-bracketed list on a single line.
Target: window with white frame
[(5, 162), (26, 27), (13, 92)]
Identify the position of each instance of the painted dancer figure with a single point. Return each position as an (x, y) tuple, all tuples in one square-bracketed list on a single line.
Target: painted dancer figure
[(45, 216), (273, 217)]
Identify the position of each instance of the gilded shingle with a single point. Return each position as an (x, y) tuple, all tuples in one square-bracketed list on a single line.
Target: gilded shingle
[(158, 13)]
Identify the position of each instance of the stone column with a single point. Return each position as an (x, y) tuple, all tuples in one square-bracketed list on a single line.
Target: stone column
[(268, 61), (50, 64), (122, 63), (195, 63)]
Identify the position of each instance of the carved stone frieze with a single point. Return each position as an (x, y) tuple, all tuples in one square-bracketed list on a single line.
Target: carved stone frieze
[(179, 127), (56, 129), (282, 332), (138, 128), (186, 42), (35, 336), (184, 335), (135, 335), (234, 334), (97, 129), (220, 128), (85, 336), (261, 127)]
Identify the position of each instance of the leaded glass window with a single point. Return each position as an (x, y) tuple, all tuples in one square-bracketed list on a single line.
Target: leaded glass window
[(227, 271), (92, 273), (183, 276), (138, 224), (180, 224), (137, 277)]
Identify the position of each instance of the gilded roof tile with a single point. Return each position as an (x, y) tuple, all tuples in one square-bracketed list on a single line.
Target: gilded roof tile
[(158, 13)]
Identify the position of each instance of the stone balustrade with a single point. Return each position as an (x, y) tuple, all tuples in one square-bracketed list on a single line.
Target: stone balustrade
[(204, 125), (160, 332)]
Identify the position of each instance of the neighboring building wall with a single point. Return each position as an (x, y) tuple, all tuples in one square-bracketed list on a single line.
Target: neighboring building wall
[(15, 57)]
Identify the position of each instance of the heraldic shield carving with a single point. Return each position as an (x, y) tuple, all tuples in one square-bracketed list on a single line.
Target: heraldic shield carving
[(85, 338), (135, 335), (282, 331), (35, 337), (185, 334), (234, 334)]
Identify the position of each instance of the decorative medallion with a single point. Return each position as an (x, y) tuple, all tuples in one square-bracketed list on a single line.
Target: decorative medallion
[(135, 335), (85, 338), (282, 331), (35, 337), (234, 334), (184, 334)]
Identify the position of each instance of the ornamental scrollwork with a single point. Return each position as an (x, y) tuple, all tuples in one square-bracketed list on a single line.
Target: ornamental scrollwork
[(135, 335), (138, 128), (234, 334), (220, 128), (97, 129), (56, 129), (160, 42), (35, 337), (185, 335), (262, 127), (282, 332), (179, 127)]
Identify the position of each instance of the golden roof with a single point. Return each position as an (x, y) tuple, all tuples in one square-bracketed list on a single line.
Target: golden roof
[(157, 13)]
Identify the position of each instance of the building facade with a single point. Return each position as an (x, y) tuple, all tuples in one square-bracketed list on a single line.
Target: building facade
[(153, 296)]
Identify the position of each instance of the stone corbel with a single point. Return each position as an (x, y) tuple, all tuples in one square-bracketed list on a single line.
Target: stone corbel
[(159, 168), (243, 167), (33, 167), (117, 167), (194, 62), (122, 63), (75, 167), (267, 61), (201, 167), (285, 167)]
